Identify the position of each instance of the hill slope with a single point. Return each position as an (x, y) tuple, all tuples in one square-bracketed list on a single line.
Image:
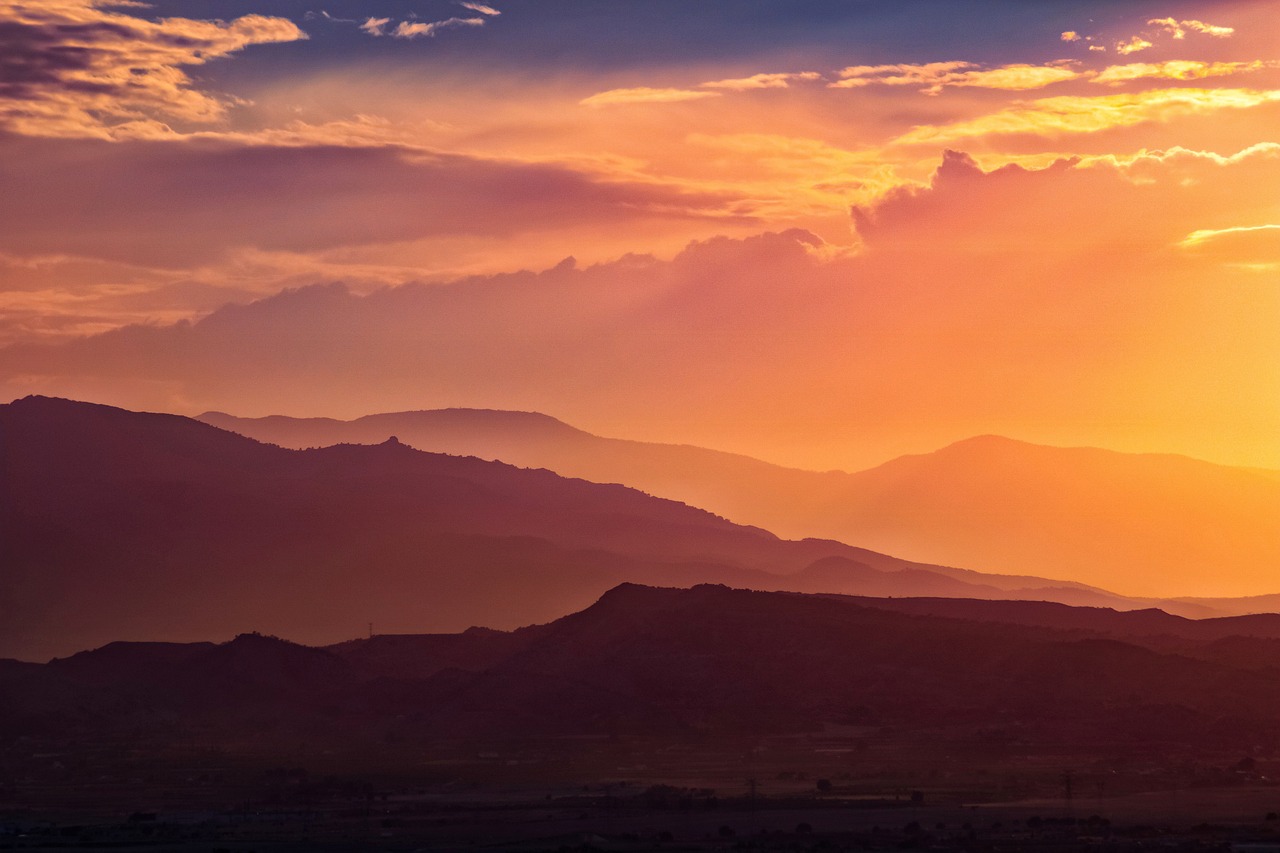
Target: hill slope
[(120, 525), (679, 665), (1152, 525)]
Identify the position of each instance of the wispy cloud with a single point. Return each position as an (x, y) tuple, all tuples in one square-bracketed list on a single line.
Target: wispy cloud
[(933, 77), (1179, 69), (1169, 27), (645, 95), (1206, 235), (1179, 29), (322, 15), (1253, 248), (1135, 44), (419, 29), (412, 29), (480, 7), (763, 81), (1072, 114)]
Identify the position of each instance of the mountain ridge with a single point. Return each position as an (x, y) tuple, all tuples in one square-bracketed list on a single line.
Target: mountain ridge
[(1151, 525), (132, 526), (682, 664)]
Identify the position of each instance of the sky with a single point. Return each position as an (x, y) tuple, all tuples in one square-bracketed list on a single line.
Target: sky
[(821, 233)]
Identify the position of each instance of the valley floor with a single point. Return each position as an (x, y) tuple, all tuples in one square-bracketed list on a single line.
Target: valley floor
[(838, 790)]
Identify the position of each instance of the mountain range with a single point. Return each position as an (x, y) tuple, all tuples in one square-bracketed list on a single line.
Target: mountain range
[(1146, 525), (122, 525), (684, 664)]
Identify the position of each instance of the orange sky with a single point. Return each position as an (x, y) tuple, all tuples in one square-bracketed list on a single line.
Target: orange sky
[(1062, 226)]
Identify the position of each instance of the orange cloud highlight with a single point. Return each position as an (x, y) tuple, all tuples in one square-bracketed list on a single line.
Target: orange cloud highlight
[(1205, 235), (1252, 248), (1178, 29), (1070, 114), (933, 77), (763, 81), (1179, 69), (1135, 44), (91, 71), (644, 95)]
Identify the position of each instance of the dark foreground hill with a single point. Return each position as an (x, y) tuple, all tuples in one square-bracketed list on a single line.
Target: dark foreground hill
[(125, 525), (696, 719), (1147, 524), (683, 665)]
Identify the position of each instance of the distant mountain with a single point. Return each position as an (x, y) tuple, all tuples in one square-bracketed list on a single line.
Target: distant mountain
[(1142, 523), (1145, 524), (121, 525), (684, 665)]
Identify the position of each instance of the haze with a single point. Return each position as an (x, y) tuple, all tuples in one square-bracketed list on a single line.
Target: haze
[(823, 234)]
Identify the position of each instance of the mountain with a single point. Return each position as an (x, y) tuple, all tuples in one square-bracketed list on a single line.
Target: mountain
[(681, 665), (121, 525), (1146, 524)]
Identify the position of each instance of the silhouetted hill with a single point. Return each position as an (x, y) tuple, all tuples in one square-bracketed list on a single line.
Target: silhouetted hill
[(1149, 623), (124, 660), (410, 656), (120, 525), (688, 664), (1147, 524)]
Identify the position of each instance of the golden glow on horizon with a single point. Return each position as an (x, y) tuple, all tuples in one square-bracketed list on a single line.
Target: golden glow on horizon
[(1116, 233)]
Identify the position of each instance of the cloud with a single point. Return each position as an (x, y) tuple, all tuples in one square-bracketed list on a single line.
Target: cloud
[(1169, 27), (1179, 69), (1086, 207), (1209, 29), (763, 81), (1071, 35), (325, 16), (1197, 238), (1149, 166), (413, 29), (1134, 44), (644, 95), (1018, 77), (648, 95), (933, 77), (479, 7), (79, 68), (418, 29), (930, 75), (1255, 248), (1071, 114), (975, 302), (177, 203), (1178, 29)]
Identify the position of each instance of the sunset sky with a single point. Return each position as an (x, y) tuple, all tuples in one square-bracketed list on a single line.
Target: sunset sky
[(822, 233)]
